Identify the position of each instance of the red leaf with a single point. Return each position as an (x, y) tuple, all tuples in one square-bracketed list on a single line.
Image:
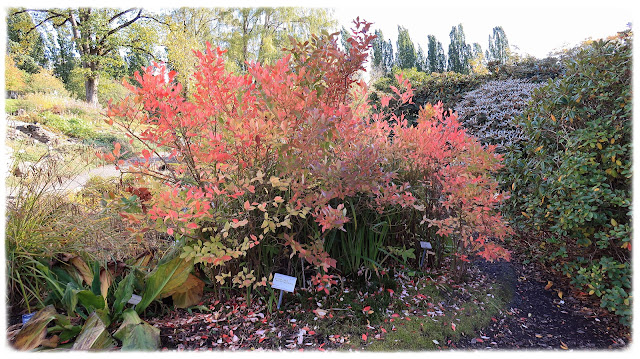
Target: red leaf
[(364, 337), (192, 225)]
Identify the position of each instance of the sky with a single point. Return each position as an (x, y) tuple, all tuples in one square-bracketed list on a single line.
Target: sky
[(531, 29), (535, 30)]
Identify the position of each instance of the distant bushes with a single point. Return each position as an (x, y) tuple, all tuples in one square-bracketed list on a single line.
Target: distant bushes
[(528, 68), (45, 82), (572, 178), (447, 87)]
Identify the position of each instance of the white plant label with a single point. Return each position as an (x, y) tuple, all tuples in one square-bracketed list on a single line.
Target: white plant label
[(283, 282), (425, 245), (135, 299)]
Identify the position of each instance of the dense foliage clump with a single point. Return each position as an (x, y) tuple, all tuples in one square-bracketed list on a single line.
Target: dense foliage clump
[(270, 168), (572, 177), (447, 87), (490, 111)]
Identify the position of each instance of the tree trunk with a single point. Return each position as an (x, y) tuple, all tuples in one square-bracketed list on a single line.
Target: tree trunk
[(91, 90)]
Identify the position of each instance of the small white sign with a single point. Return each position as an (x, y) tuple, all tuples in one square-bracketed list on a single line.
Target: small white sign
[(135, 299), (283, 282), (425, 245)]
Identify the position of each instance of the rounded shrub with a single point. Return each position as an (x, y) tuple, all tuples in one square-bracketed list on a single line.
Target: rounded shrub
[(45, 82), (490, 111), (573, 176)]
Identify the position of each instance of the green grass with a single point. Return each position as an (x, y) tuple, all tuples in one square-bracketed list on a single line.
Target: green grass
[(419, 332), (407, 322)]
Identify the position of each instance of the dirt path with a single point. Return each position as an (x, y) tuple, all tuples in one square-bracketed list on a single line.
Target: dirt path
[(538, 318), (79, 181)]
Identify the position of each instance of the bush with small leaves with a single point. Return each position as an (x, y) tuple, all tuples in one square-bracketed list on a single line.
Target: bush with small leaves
[(490, 111), (269, 164)]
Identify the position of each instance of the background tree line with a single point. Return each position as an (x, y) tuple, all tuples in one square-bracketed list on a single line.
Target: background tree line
[(90, 48), (461, 57)]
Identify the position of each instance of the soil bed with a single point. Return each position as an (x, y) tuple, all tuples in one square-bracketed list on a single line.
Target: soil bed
[(538, 318)]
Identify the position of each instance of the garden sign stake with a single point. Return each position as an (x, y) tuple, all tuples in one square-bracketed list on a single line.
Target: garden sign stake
[(284, 283), (424, 246)]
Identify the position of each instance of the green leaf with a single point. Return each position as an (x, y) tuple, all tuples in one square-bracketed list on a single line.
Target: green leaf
[(95, 284), (123, 293), (137, 334), (70, 298), (165, 279), (90, 300), (69, 334)]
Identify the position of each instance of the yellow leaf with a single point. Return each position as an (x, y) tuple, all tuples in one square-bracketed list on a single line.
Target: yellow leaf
[(83, 268), (591, 292), (563, 346), (560, 294), (538, 336), (105, 282), (189, 293), (618, 163), (596, 189), (613, 140), (553, 118), (613, 222), (599, 145), (537, 149), (549, 284)]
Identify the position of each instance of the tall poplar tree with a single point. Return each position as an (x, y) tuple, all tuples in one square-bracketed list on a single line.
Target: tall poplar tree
[(406, 55), (420, 60), (459, 51), (435, 55), (498, 46)]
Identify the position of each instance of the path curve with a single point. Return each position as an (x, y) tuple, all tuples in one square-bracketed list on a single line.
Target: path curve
[(537, 318)]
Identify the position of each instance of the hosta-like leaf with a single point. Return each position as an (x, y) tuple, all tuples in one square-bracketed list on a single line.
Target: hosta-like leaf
[(123, 293), (94, 335), (189, 294), (137, 334), (34, 332), (165, 279)]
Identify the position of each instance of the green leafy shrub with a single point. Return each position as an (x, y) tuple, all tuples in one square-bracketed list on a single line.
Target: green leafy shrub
[(573, 177), (70, 126), (528, 68)]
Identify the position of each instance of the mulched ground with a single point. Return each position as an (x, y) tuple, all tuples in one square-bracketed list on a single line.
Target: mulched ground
[(538, 318)]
